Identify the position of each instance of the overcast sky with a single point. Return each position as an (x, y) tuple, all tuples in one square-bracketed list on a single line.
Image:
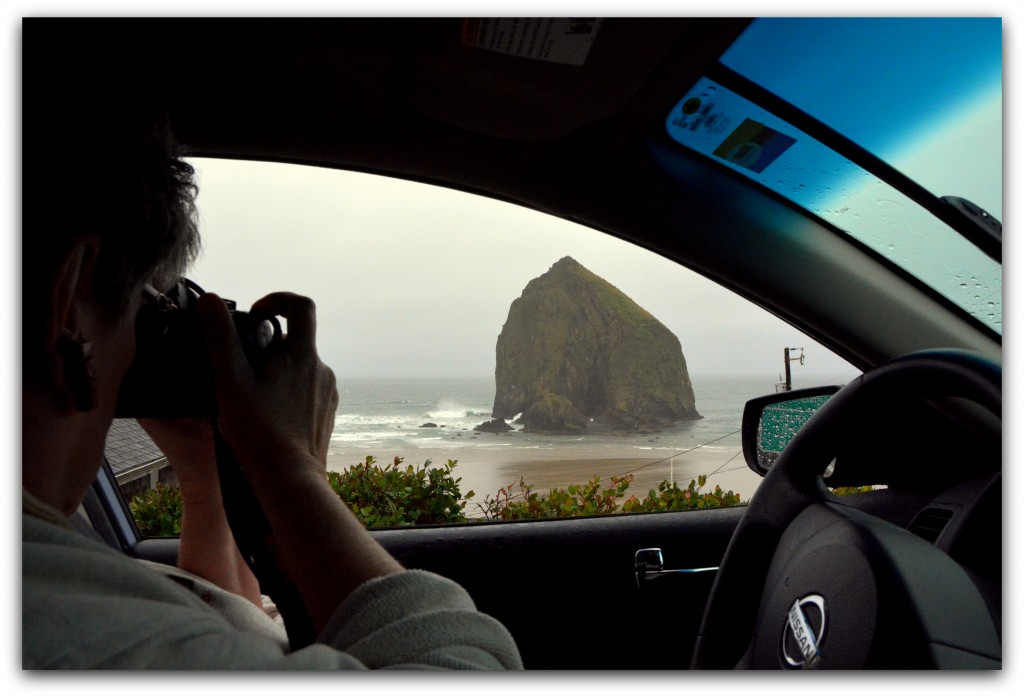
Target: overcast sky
[(416, 280)]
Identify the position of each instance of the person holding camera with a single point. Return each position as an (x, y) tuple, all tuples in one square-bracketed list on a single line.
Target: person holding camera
[(101, 223)]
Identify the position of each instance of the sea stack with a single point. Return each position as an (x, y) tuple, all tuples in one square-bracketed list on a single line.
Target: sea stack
[(577, 355)]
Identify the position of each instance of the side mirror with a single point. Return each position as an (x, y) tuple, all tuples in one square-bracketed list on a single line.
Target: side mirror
[(769, 423)]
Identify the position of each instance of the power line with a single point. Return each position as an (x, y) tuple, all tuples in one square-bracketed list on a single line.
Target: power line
[(685, 452), (738, 453)]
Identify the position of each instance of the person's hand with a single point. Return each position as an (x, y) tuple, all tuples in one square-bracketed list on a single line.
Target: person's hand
[(277, 416), (187, 443)]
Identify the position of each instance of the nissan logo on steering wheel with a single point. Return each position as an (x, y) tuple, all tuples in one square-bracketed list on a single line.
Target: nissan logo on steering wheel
[(804, 632)]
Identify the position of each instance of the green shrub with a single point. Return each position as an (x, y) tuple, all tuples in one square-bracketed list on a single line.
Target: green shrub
[(157, 512), (519, 501), (847, 490), (393, 495), (669, 497), (397, 495)]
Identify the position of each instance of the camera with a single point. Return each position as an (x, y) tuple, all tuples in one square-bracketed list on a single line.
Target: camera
[(171, 375)]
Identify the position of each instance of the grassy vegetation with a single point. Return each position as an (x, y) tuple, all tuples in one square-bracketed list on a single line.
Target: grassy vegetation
[(395, 495)]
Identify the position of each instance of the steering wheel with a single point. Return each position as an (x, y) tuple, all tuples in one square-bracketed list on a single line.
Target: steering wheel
[(807, 582)]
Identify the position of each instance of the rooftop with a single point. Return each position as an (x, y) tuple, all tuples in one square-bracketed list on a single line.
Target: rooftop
[(129, 446)]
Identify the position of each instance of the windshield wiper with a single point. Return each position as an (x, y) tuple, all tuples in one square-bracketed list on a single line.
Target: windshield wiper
[(989, 231)]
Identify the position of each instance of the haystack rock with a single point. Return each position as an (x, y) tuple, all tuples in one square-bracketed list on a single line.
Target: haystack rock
[(577, 355)]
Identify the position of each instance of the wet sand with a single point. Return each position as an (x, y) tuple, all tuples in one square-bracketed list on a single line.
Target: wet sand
[(485, 471)]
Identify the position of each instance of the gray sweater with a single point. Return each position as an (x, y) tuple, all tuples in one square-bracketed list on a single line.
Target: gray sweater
[(84, 605)]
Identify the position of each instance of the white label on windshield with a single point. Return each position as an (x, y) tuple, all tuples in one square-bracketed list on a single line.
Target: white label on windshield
[(702, 116), (546, 39)]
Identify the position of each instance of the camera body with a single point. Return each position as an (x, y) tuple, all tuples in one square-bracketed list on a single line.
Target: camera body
[(171, 375)]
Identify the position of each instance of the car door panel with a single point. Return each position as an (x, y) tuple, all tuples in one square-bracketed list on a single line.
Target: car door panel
[(567, 588)]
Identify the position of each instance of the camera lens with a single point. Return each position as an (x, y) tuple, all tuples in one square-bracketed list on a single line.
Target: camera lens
[(264, 333)]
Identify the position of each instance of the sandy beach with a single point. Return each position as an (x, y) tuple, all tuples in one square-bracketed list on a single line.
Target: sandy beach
[(435, 419), (486, 470)]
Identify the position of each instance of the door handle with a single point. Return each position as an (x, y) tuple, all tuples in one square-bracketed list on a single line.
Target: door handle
[(649, 565)]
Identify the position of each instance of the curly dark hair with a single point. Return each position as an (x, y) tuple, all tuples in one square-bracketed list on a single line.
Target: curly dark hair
[(152, 231), (99, 160)]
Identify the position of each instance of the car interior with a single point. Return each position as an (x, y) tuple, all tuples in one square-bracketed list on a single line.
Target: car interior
[(908, 575)]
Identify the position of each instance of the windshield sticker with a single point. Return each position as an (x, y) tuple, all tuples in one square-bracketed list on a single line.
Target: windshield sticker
[(754, 146), (546, 39), (702, 117)]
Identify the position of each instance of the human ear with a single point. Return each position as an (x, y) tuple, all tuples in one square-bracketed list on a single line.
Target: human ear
[(71, 320)]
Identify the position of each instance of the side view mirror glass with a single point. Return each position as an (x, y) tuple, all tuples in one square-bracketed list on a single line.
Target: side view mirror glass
[(771, 422)]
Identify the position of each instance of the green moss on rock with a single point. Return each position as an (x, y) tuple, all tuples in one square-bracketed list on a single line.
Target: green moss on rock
[(578, 354), (555, 413)]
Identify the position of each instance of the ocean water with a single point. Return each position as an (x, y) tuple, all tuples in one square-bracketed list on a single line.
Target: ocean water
[(386, 417)]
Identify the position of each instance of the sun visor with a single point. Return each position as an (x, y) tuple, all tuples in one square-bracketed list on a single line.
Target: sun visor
[(535, 79)]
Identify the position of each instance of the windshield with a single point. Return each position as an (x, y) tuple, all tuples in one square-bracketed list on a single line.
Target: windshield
[(935, 115), (900, 87)]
